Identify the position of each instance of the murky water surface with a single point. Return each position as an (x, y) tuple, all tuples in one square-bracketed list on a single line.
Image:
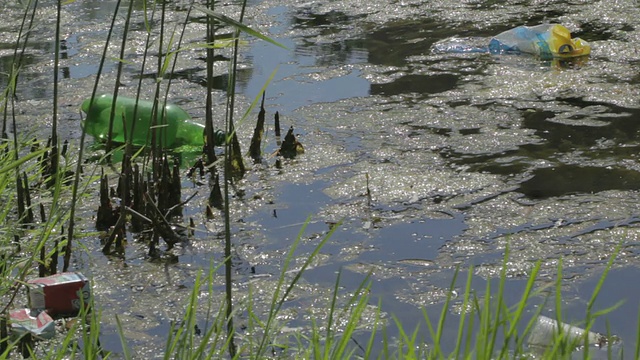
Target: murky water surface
[(462, 154)]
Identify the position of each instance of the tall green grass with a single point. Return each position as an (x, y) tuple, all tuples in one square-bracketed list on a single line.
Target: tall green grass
[(489, 328)]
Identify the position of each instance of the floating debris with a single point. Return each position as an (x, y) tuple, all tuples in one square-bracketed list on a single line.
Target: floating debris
[(177, 128), (417, 262), (546, 41), (50, 297), (547, 331), (31, 322), (60, 295)]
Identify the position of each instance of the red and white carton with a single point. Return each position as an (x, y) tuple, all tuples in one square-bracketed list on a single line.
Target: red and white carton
[(60, 294), (27, 321)]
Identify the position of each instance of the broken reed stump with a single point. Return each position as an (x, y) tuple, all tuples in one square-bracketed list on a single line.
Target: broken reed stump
[(53, 263), (20, 199), (163, 187), (176, 189), (65, 147), (290, 146), (147, 204), (236, 164), (48, 265), (25, 211), (43, 213), (44, 160), (153, 198), (107, 215), (256, 141), (161, 226), (42, 263), (26, 344), (29, 219), (138, 203), (54, 164), (215, 197), (4, 334), (199, 165), (192, 228), (153, 246), (168, 188), (209, 213), (121, 237), (125, 181), (117, 236)]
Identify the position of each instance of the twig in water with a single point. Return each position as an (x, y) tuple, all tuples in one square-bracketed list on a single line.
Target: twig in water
[(166, 214), (162, 226)]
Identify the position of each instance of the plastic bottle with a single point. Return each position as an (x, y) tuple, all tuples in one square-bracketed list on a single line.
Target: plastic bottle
[(547, 41), (546, 332), (545, 329), (176, 129)]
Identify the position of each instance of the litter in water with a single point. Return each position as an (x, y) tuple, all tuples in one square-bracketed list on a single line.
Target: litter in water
[(546, 332), (174, 126), (60, 294), (28, 321), (546, 41)]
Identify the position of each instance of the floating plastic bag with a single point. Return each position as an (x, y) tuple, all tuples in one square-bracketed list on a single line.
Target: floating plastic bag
[(175, 128), (546, 41)]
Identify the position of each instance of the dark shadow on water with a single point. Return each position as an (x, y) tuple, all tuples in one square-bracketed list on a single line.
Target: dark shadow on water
[(329, 21), (395, 43), (621, 129), (614, 140), (197, 75), (421, 84), (572, 179)]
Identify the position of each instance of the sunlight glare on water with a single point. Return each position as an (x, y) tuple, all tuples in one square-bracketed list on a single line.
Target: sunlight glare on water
[(427, 160)]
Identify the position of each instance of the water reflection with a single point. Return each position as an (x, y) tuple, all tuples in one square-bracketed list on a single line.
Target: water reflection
[(573, 179), (197, 75), (395, 44), (571, 126), (420, 84), (334, 53), (612, 140), (327, 22)]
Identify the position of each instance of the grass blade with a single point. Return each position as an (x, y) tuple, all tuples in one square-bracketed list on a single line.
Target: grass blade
[(238, 25)]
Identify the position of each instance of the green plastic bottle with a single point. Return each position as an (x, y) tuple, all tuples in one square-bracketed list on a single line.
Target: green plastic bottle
[(178, 129)]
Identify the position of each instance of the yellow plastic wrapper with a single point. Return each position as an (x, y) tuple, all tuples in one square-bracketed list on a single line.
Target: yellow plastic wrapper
[(547, 41)]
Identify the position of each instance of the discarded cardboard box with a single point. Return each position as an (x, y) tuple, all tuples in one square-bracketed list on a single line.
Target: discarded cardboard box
[(60, 294), (27, 321)]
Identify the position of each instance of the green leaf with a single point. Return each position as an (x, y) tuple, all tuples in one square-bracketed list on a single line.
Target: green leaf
[(240, 26)]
